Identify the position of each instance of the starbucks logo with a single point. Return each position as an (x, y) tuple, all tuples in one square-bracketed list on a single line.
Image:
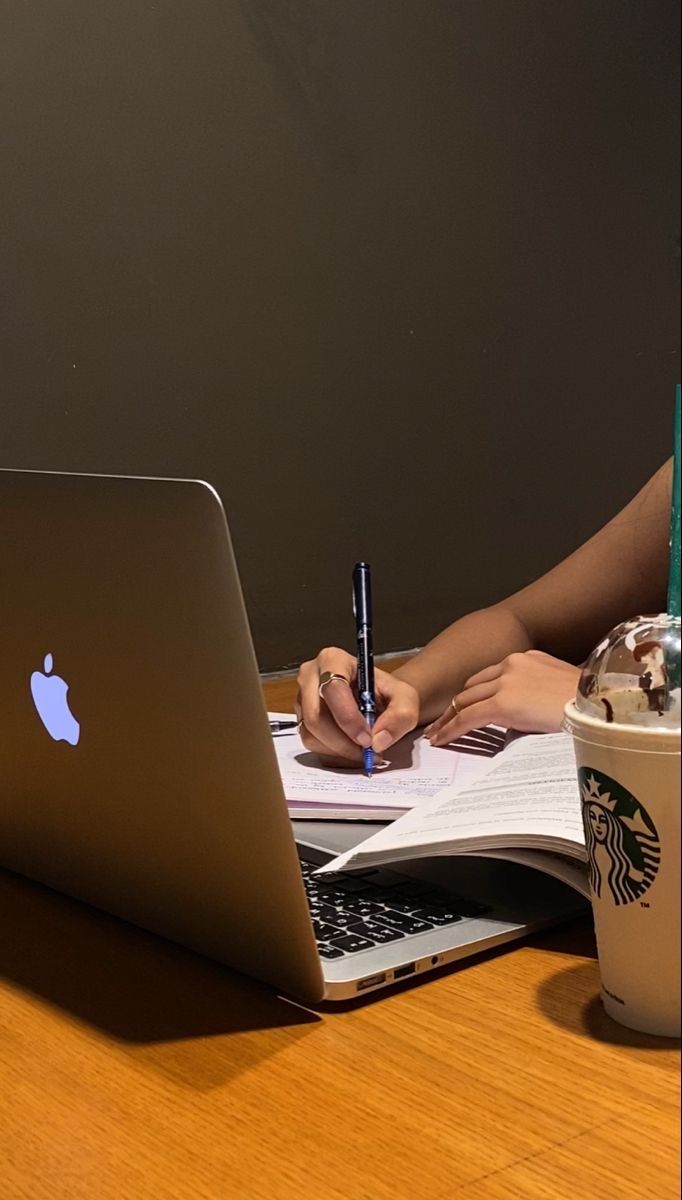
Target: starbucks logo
[(622, 842)]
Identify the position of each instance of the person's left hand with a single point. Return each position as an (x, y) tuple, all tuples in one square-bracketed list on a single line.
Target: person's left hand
[(526, 691)]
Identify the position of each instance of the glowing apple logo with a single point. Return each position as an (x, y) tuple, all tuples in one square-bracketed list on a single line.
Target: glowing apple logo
[(49, 697)]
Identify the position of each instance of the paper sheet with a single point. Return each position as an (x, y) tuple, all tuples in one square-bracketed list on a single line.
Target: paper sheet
[(418, 772), (526, 796)]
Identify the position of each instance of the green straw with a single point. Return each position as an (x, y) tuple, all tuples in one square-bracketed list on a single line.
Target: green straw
[(672, 653), (674, 567)]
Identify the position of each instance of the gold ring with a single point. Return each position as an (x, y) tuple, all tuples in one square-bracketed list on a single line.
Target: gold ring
[(327, 677), (455, 705)]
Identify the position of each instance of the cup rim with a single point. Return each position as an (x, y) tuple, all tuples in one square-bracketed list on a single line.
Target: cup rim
[(610, 734)]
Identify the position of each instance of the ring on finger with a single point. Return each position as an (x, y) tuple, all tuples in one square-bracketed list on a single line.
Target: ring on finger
[(455, 706), (327, 677)]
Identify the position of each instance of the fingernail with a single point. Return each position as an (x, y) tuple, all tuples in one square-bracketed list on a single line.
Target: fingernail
[(364, 739), (381, 741)]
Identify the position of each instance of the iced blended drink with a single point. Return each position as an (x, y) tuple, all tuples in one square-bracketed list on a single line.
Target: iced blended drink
[(625, 723)]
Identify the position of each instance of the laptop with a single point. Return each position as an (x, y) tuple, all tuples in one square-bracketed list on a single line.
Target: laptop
[(137, 767)]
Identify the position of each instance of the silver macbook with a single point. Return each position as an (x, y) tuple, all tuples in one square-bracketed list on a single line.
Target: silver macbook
[(137, 770)]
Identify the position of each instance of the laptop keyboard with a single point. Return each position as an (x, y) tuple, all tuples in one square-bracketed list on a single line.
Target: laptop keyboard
[(351, 913)]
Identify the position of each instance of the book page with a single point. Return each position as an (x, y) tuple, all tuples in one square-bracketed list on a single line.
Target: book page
[(527, 796), (417, 772)]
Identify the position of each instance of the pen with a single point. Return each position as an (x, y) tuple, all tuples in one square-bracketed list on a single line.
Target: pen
[(282, 726), (362, 611)]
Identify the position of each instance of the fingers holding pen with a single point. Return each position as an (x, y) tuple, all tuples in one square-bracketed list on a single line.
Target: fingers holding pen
[(350, 755), (399, 705), (332, 724)]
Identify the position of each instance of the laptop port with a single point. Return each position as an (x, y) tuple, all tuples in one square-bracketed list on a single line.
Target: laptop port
[(402, 972), (371, 981)]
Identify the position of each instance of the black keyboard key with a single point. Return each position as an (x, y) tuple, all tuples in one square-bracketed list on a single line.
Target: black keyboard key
[(323, 932), (337, 879), (387, 879), (329, 952), (362, 907), (351, 943), (333, 917), (414, 887), (396, 904), (436, 915), (404, 922), (382, 896), (381, 934), (352, 885), (329, 895)]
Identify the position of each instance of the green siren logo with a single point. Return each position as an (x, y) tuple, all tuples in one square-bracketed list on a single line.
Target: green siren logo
[(622, 842)]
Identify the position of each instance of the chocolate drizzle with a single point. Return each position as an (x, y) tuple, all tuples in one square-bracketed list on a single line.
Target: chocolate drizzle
[(653, 681)]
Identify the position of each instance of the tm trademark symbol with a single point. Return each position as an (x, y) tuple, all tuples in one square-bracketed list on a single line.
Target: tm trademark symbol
[(644, 904)]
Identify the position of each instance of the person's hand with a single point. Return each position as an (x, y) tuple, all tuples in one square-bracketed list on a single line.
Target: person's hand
[(525, 691), (332, 724)]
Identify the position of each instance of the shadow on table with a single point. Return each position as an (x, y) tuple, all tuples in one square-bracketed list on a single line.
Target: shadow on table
[(138, 988), (574, 937), (570, 999)]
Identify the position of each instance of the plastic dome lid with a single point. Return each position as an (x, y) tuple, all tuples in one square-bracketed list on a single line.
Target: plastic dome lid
[(633, 676)]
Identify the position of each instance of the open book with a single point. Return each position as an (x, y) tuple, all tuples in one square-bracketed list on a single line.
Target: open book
[(417, 772), (523, 806)]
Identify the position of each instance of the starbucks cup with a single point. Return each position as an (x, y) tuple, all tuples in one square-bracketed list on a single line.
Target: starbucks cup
[(625, 723)]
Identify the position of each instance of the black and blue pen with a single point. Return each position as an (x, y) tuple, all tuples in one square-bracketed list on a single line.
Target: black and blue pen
[(362, 610), (283, 726)]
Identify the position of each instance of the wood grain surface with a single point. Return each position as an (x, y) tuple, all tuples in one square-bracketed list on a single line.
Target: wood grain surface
[(130, 1068)]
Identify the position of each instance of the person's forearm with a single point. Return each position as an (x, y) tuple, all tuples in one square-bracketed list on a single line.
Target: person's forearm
[(618, 572), (473, 642)]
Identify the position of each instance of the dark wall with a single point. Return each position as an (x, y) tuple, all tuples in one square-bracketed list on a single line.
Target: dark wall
[(398, 278)]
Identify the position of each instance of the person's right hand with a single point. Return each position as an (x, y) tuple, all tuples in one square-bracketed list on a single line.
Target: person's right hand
[(333, 725)]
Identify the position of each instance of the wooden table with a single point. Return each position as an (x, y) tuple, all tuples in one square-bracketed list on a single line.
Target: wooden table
[(134, 1070)]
